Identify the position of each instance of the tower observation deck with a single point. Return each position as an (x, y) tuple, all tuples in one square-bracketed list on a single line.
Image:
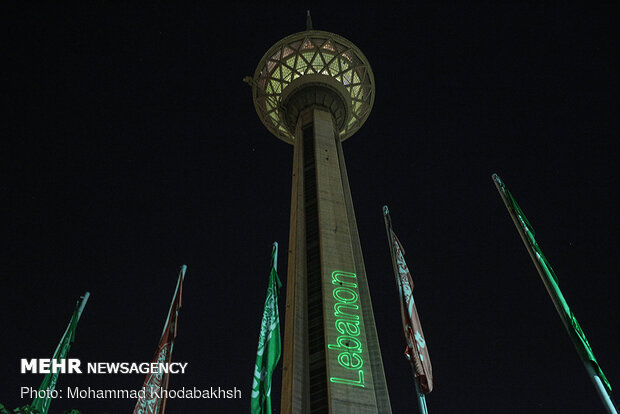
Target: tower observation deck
[(314, 89)]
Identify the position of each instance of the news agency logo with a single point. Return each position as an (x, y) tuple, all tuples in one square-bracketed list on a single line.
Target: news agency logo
[(50, 366), (74, 366)]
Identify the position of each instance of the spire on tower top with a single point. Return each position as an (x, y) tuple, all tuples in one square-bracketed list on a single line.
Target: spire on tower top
[(308, 20)]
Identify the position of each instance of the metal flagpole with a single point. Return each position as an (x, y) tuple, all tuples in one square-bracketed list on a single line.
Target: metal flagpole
[(83, 304), (275, 261), (421, 397), (600, 389), (180, 280), (605, 398)]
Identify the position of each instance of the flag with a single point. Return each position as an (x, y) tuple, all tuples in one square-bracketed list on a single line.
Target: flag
[(269, 346), (62, 350), (151, 402), (416, 351), (550, 280)]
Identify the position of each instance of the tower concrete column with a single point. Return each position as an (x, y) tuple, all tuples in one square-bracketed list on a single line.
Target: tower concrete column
[(313, 90)]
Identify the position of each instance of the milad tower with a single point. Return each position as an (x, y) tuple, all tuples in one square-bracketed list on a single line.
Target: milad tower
[(314, 89)]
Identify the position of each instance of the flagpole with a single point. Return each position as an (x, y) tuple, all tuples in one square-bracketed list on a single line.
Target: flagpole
[(421, 397), (275, 257), (600, 388), (180, 280), (83, 304), (596, 380)]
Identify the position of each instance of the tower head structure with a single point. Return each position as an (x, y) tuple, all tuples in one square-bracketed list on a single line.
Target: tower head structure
[(308, 68), (314, 89)]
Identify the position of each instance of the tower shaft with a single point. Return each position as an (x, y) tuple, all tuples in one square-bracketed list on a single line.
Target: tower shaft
[(332, 361)]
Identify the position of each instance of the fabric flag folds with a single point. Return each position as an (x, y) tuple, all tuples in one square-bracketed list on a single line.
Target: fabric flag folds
[(62, 350), (152, 401), (416, 351), (550, 280), (269, 346)]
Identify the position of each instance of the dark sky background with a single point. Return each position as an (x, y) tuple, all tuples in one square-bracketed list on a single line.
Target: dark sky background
[(131, 146)]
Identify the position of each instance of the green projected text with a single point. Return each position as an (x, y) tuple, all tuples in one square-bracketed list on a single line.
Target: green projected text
[(347, 323)]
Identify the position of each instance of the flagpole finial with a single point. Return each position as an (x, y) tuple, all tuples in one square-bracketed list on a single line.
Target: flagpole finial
[(274, 253), (82, 303), (496, 178), (385, 210), (501, 187)]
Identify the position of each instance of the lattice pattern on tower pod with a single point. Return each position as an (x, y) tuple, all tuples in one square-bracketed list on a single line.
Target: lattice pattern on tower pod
[(309, 53)]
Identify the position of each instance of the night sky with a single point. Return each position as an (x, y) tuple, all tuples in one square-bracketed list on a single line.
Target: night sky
[(131, 146)]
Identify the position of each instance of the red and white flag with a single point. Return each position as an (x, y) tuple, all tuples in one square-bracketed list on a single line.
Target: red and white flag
[(416, 350), (153, 400)]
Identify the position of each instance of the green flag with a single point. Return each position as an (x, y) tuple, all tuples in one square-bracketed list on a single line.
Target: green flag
[(62, 350), (550, 280), (268, 353)]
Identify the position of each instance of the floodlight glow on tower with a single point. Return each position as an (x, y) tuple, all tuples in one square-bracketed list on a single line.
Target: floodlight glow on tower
[(314, 89)]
